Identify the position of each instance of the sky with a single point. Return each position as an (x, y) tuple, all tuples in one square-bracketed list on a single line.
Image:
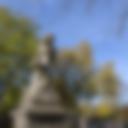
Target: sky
[(102, 23)]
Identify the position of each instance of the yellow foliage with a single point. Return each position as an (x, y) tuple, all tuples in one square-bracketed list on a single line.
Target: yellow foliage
[(104, 110)]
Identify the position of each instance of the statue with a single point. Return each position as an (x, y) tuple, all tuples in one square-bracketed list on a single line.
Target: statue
[(41, 106)]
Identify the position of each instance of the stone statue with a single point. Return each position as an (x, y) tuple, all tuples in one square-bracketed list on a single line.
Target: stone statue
[(40, 106)]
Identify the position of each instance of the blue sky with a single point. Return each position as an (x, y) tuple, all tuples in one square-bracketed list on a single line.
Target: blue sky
[(103, 23)]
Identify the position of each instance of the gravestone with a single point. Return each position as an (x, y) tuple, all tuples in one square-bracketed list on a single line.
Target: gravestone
[(41, 105)]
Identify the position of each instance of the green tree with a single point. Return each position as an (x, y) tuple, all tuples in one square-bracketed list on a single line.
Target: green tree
[(17, 48)]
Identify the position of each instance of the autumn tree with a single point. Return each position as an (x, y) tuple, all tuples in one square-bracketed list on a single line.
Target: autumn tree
[(77, 66), (86, 80), (108, 81)]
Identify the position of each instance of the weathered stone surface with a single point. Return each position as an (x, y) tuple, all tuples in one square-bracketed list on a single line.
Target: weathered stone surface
[(41, 106)]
